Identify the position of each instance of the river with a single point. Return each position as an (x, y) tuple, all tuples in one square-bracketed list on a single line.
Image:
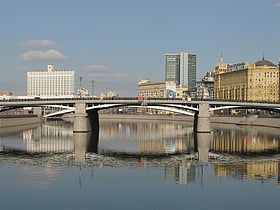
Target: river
[(139, 165)]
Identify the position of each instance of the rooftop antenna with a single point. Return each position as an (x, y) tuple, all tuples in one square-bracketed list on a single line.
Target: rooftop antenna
[(92, 90), (81, 82), (221, 58)]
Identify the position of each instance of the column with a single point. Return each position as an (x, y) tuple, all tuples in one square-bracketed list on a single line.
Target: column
[(81, 121), (203, 119), (38, 111)]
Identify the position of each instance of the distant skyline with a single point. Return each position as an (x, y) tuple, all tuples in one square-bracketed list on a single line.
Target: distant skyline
[(117, 43)]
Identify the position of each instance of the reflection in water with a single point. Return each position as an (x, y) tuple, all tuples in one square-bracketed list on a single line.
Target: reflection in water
[(147, 145), (251, 170), (40, 177), (52, 137), (144, 138), (247, 140), (203, 145), (84, 142)]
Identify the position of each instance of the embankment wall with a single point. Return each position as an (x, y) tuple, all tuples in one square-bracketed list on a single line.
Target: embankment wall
[(11, 121)]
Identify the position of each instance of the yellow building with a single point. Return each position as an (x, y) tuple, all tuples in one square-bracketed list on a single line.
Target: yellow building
[(256, 82), (160, 89)]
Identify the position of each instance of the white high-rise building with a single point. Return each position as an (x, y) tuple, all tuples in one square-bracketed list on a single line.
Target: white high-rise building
[(181, 68), (51, 82)]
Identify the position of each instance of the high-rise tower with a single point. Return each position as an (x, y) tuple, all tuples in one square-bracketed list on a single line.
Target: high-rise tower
[(181, 68)]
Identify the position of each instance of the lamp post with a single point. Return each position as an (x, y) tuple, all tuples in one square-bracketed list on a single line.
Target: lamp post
[(80, 86), (92, 87), (81, 78)]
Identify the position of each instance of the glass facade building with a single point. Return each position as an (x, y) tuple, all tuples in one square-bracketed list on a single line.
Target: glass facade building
[(181, 68)]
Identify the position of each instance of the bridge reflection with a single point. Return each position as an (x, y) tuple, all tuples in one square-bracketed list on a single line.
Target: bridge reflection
[(141, 139), (137, 142)]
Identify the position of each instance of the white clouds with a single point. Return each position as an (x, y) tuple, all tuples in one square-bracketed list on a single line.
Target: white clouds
[(39, 55), (277, 5), (38, 43)]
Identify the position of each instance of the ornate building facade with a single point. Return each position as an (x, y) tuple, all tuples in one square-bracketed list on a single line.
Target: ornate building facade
[(166, 89), (256, 82)]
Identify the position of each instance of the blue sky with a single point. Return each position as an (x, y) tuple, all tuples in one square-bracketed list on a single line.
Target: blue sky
[(118, 42)]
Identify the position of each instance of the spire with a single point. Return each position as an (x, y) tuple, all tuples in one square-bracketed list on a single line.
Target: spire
[(263, 56), (221, 58)]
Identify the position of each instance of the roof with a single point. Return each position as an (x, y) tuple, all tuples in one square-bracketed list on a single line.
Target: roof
[(264, 62)]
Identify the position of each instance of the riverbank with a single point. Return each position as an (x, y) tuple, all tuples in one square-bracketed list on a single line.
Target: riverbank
[(18, 120)]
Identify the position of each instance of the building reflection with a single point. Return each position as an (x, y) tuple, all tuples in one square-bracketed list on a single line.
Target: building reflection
[(245, 141), (53, 137), (149, 138), (181, 173), (160, 138), (250, 171), (185, 171)]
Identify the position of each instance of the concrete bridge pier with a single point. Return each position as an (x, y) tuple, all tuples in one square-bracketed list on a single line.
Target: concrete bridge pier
[(38, 111), (202, 119), (93, 117), (81, 121)]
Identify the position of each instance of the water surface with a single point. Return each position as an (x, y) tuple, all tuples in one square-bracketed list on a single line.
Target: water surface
[(139, 165)]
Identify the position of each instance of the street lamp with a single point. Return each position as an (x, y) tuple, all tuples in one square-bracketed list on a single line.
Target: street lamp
[(81, 82), (92, 83)]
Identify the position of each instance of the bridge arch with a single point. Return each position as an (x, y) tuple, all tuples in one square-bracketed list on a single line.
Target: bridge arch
[(175, 109), (245, 107)]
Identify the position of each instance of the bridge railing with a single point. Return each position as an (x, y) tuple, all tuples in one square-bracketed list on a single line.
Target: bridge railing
[(79, 98)]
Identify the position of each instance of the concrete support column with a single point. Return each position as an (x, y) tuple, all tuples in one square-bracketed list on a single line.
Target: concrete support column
[(81, 121), (195, 122), (37, 111), (93, 117), (202, 119)]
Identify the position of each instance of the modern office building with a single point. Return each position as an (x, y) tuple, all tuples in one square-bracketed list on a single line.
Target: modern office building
[(181, 68), (51, 82), (257, 81)]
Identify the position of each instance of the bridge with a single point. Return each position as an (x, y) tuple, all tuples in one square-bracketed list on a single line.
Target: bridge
[(86, 108)]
